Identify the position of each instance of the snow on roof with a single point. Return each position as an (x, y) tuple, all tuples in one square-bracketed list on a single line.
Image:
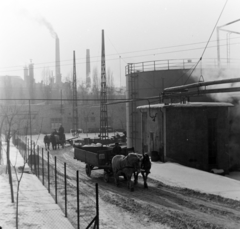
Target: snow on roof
[(193, 104)]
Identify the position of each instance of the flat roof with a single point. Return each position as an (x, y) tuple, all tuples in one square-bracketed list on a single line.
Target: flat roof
[(193, 104)]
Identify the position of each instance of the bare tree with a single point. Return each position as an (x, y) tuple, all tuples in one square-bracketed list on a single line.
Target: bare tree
[(9, 114), (46, 73)]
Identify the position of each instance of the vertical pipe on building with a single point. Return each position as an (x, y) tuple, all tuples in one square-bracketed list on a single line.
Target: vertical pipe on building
[(128, 106)]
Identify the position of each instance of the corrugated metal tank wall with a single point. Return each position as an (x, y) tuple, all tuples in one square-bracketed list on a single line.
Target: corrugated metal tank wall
[(149, 84)]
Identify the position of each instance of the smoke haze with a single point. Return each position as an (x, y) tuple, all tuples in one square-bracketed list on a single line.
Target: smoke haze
[(44, 22), (40, 20), (214, 73)]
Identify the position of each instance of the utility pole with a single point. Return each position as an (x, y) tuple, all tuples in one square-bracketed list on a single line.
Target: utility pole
[(75, 106), (103, 106)]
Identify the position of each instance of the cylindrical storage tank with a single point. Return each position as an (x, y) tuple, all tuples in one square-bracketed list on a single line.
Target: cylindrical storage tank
[(148, 79)]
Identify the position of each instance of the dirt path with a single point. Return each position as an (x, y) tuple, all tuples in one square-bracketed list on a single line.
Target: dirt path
[(160, 206)]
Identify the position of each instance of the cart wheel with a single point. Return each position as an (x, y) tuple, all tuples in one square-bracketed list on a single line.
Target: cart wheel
[(106, 176), (88, 169)]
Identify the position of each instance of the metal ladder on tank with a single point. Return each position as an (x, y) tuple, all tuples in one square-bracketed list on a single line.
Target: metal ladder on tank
[(133, 96)]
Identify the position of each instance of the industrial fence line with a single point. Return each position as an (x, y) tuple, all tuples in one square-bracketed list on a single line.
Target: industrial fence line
[(64, 186)]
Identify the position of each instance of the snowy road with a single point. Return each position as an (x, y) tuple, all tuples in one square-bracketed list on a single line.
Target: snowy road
[(161, 206)]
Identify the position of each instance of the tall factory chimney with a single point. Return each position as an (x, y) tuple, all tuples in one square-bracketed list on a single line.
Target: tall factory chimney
[(88, 69), (31, 82), (57, 66), (25, 74)]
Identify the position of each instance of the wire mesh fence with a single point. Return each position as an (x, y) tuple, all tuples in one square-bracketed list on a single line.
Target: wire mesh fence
[(79, 207)]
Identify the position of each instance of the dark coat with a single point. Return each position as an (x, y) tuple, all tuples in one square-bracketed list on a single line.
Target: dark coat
[(117, 149)]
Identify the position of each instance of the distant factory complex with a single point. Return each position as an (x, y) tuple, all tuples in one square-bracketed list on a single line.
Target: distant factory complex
[(166, 108)]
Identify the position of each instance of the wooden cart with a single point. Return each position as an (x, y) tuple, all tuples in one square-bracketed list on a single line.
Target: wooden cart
[(97, 158)]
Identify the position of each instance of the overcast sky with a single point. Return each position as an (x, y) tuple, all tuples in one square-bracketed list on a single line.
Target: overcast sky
[(135, 31)]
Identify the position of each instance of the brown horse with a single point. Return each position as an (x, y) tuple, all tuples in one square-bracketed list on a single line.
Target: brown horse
[(145, 169), (126, 165), (47, 141), (57, 141)]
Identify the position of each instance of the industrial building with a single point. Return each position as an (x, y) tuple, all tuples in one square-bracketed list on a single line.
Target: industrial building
[(178, 128), (44, 106), (193, 134)]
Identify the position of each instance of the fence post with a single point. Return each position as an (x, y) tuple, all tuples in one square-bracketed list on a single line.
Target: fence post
[(48, 174), (34, 160), (65, 185), (38, 159), (97, 206), (42, 168), (78, 211), (31, 154), (55, 160)]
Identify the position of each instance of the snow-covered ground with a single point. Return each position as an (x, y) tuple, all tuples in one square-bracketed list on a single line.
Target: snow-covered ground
[(38, 210), (182, 176)]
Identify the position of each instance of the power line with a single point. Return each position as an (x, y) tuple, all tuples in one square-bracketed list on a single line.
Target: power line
[(80, 63), (207, 41), (127, 57)]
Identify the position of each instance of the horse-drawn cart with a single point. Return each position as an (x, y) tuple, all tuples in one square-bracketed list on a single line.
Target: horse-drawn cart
[(97, 158)]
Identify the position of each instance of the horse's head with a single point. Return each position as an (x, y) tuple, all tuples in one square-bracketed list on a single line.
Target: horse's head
[(135, 161), (146, 162)]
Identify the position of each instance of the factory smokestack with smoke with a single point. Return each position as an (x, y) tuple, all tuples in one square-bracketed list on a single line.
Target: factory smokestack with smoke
[(57, 63), (47, 24), (88, 69)]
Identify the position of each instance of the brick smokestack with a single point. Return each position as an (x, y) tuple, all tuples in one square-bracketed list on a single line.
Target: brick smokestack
[(88, 69), (57, 66)]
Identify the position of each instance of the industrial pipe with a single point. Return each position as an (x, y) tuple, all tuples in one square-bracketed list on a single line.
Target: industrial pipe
[(200, 84)]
